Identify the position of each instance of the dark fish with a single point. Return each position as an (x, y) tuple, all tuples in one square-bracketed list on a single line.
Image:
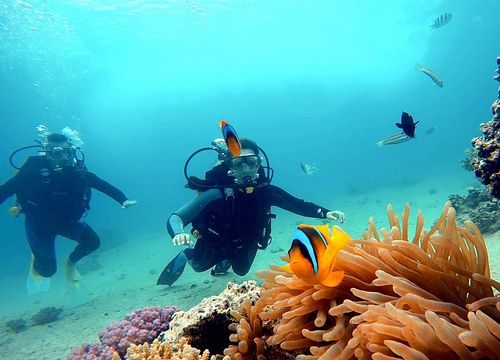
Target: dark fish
[(430, 130), (442, 20), (394, 139), (407, 124)]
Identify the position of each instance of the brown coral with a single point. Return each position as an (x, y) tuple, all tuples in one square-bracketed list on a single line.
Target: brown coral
[(164, 351), (429, 296)]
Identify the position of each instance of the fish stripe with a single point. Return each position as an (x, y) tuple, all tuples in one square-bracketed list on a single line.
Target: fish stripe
[(302, 237), (312, 239), (316, 239), (394, 139), (231, 138), (442, 20)]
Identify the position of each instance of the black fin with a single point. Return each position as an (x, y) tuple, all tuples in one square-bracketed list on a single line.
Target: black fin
[(399, 125), (221, 268), (406, 118), (173, 270)]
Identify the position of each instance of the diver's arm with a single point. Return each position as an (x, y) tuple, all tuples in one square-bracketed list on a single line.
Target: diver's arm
[(186, 214), (106, 188), (280, 198), (9, 188)]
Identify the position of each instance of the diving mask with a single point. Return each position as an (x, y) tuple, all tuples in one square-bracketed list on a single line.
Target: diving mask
[(245, 170), (61, 156), (245, 163)]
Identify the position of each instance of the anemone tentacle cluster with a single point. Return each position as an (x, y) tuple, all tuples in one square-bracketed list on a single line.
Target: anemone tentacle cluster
[(427, 296)]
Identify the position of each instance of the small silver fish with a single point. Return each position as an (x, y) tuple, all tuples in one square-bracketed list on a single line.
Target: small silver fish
[(394, 139), (441, 20), (435, 77), (308, 169)]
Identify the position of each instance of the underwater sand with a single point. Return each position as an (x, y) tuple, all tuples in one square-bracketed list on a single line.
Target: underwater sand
[(122, 279)]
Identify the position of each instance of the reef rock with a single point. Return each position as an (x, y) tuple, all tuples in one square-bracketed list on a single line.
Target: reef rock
[(205, 324), (479, 207), (486, 163)]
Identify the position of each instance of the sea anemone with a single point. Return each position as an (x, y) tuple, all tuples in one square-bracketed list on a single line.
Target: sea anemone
[(419, 297)]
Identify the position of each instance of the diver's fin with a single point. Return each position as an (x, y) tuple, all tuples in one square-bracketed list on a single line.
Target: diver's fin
[(173, 270), (221, 268), (71, 274), (35, 283)]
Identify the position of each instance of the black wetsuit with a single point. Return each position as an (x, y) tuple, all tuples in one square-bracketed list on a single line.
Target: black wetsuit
[(233, 228), (54, 203)]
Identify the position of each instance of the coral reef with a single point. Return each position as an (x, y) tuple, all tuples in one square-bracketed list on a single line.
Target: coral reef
[(201, 325), (480, 207), (143, 325), (470, 154), (16, 325), (211, 333), (428, 296), (46, 315), (164, 351), (93, 352), (487, 162)]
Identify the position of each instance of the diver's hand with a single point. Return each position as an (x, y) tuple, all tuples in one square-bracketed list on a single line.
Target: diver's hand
[(182, 239), (128, 203), (336, 215)]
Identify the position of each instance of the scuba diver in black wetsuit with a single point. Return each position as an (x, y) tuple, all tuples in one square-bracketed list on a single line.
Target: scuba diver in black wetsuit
[(231, 217), (53, 192)]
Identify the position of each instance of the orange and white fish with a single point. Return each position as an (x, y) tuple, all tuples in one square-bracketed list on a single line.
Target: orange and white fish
[(231, 138), (314, 252)]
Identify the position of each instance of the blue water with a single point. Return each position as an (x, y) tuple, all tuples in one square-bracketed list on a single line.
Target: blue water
[(146, 82)]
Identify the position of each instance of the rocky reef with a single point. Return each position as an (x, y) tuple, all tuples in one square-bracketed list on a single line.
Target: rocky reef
[(478, 206), (486, 163)]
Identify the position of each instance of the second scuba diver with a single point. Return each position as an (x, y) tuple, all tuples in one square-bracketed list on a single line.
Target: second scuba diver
[(231, 217), (53, 192)]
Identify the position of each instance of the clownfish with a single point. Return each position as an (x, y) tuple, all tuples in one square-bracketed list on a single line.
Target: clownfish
[(231, 138), (314, 252)]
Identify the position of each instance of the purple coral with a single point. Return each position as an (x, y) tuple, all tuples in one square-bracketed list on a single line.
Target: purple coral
[(91, 352), (143, 325)]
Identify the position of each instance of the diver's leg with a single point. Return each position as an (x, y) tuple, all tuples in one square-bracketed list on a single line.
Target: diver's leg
[(87, 239), (203, 256), (243, 259), (41, 239)]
